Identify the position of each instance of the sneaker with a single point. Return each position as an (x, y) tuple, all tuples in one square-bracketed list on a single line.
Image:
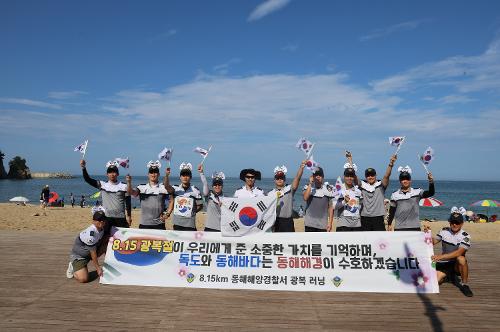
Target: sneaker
[(69, 271), (466, 290)]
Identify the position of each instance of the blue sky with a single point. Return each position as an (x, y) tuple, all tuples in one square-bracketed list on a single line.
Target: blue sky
[(251, 78)]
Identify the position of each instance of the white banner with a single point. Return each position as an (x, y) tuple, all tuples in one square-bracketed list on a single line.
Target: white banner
[(395, 262), (243, 216)]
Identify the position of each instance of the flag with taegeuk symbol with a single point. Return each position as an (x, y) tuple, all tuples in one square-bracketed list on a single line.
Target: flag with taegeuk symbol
[(123, 162), (305, 146), (428, 156), (249, 215)]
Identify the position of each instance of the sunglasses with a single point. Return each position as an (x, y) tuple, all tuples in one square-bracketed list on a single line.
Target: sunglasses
[(217, 185), (279, 178), (249, 177), (455, 223)]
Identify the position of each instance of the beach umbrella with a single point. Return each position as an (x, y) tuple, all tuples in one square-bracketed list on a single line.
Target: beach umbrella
[(53, 196), (430, 202), (19, 199), (486, 203)]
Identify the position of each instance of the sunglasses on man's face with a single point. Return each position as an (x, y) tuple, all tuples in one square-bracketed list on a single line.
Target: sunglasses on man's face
[(455, 223), (249, 177)]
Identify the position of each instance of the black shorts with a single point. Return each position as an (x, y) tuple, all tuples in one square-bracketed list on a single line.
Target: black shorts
[(284, 225), (447, 268), (314, 229), (117, 222), (158, 226), (415, 229), (348, 229), (182, 228), (370, 224)]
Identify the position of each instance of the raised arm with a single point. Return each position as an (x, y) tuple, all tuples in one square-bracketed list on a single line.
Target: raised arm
[(298, 176), (348, 155), (86, 177), (388, 171), (430, 192), (204, 190), (307, 193), (166, 182), (130, 190)]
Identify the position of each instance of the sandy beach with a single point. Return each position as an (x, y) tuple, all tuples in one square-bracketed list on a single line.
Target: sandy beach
[(31, 218)]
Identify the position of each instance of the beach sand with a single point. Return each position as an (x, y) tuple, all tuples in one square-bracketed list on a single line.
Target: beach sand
[(31, 218)]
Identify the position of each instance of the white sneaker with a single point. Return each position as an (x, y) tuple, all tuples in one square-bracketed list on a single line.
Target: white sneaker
[(69, 271)]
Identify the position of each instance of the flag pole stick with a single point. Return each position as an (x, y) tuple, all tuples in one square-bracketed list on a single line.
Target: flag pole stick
[(85, 151), (308, 155), (205, 156), (423, 164)]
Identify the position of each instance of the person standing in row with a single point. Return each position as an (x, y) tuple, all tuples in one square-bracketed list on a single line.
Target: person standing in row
[(404, 202), (152, 197), (319, 206), (249, 175), (284, 193), (213, 199), (348, 203), (187, 199), (372, 209), (115, 199)]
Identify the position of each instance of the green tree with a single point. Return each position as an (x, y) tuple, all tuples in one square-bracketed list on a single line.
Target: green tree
[(18, 169)]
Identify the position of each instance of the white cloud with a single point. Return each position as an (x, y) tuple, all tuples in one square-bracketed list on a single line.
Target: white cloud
[(66, 94), (164, 35), (30, 102), (267, 8), (383, 32), (223, 68), (291, 47), (463, 73), (456, 99)]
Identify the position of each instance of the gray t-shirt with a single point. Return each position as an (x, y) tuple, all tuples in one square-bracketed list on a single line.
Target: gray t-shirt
[(185, 202), (407, 210), (86, 242), (317, 206), (213, 211), (152, 199), (284, 205), (113, 198), (373, 199), (347, 214)]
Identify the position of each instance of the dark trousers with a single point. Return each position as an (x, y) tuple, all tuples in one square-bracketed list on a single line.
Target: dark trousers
[(158, 226), (370, 224), (314, 229), (117, 222), (182, 228), (348, 229), (284, 225), (211, 230), (408, 229)]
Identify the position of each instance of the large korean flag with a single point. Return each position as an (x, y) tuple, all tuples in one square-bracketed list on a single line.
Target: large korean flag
[(243, 216)]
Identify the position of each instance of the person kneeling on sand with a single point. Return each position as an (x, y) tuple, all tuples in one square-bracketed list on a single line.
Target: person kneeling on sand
[(85, 248), (452, 261)]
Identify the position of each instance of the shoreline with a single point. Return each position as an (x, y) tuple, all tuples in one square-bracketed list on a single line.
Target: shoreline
[(61, 219)]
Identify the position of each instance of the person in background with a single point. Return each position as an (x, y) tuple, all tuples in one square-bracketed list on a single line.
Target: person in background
[(72, 199), (82, 201)]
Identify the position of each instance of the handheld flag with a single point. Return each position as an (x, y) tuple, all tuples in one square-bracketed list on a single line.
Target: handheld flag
[(426, 158), (203, 152), (123, 162), (82, 148), (305, 146), (311, 164), (243, 216), (166, 154), (338, 184), (397, 141)]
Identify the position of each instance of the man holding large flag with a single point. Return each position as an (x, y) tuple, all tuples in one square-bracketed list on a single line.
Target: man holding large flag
[(249, 175), (284, 193), (115, 199)]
